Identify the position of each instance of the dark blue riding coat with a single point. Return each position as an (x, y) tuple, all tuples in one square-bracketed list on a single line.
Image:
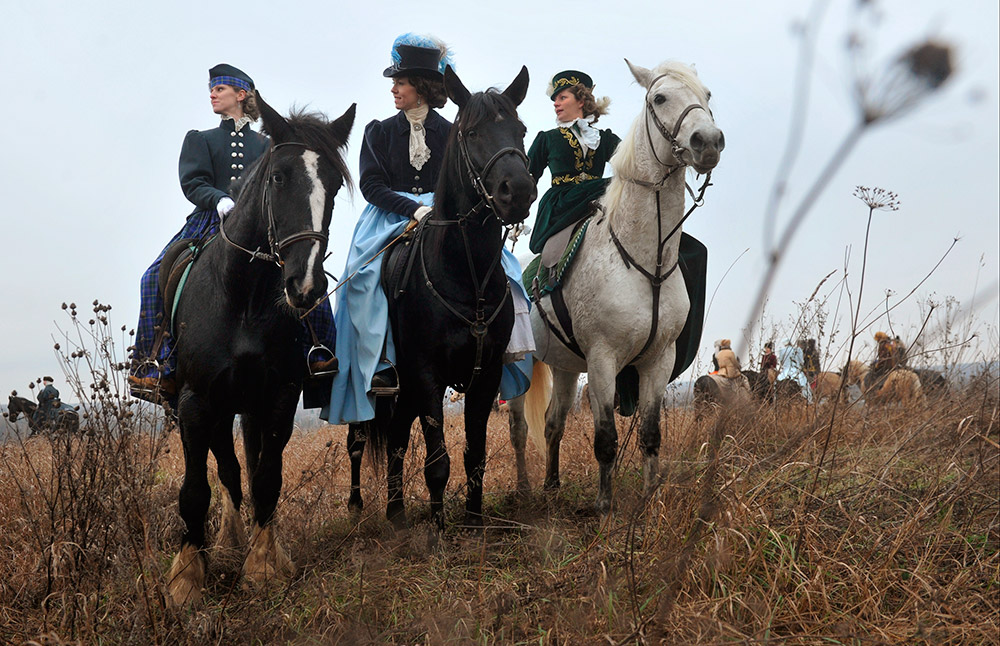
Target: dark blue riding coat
[(385, 162), (212, 159)]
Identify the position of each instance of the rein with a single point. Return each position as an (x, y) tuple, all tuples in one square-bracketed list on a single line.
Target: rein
[(276, 246)]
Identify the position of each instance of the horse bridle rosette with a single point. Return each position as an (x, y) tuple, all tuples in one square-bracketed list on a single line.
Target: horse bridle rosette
[(277, 246)]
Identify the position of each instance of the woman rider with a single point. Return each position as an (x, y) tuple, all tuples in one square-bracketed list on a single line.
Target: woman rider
[(210, 162), (400, 163), (575, 153)]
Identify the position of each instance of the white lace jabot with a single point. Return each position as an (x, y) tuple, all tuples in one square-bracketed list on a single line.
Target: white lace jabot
[(588, 136), (419, 152)]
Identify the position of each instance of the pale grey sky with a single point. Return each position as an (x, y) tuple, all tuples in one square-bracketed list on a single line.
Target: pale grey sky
[(97, 98)]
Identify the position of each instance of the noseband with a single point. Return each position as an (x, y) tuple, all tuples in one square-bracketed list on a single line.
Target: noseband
[(277, 246)]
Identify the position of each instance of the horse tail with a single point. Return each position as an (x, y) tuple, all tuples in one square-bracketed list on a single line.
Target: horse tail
[(536, 402)]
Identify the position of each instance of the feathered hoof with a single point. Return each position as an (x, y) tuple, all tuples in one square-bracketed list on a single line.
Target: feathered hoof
[(267, 560), (232, 534), (186, 578)]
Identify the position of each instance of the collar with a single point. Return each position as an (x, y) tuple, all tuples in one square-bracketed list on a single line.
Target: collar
[(433, 122), (236, 124)]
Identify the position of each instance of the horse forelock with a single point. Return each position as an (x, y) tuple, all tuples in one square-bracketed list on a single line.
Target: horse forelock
[(481, 106), (312, 129)]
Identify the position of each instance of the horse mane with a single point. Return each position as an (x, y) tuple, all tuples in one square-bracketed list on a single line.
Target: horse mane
[(311, 129), (624, 162), (480, 107)]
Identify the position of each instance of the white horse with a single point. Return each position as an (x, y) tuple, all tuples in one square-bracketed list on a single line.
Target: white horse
[(629, 253)]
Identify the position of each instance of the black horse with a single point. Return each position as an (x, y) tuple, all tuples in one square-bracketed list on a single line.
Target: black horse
[(66, 418), (452, 314), (238, 342)]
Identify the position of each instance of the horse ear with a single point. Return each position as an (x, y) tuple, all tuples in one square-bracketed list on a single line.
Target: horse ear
[(457, 92), (641, 74), (274, 124), (518, 88), (341, 128)]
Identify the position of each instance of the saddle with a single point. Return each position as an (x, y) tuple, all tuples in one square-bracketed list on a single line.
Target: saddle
[(177, 262), (397, 263)]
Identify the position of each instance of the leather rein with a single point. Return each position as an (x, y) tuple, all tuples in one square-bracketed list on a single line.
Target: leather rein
[(276, 246), (479, 326)]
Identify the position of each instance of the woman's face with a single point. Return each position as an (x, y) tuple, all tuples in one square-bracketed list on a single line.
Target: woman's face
[(568, 107), (404, 94), (226, 100)]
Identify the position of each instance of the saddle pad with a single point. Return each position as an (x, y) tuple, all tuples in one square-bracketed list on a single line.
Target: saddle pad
[(549, 279)]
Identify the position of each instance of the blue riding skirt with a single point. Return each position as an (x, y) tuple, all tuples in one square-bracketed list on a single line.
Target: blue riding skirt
[(200, 224), (362, 318)]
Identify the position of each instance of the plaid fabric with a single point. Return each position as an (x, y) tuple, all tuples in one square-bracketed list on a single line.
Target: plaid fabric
[(231, 81), (200, 224)]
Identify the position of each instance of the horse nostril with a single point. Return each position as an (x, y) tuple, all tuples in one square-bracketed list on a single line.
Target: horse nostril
[(722, 142), (697, 141)]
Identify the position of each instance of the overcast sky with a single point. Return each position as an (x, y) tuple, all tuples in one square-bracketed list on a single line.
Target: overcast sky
[(97, 97)]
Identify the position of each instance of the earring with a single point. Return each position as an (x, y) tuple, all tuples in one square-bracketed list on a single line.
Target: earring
[(420, 102)]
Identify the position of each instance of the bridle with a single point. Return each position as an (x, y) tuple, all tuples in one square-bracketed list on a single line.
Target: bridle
[(476, 176), (276, 246), (478, 326)]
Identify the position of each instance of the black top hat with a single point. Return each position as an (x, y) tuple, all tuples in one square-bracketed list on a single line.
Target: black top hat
[(415, 61), (226, 74)]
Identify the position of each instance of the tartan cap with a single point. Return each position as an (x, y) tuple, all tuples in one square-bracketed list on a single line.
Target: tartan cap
[(226, 74)]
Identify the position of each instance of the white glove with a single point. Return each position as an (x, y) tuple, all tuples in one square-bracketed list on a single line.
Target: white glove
[(421, 213), (224, 206)]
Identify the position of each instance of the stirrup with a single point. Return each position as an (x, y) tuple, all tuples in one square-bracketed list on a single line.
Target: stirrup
[(320, 368), (148, 386), (386, 390)]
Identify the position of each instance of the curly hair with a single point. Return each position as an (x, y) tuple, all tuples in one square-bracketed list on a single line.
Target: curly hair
[(250, 107), (431, 90), (591, 105)]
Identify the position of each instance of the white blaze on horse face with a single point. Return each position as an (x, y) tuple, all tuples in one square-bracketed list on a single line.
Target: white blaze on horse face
[(317, 199)]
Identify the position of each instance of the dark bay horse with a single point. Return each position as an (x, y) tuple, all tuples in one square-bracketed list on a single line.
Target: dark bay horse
[(453, 319), (67, 419), (239, 345)]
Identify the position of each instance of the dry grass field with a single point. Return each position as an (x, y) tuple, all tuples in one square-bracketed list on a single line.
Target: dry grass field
[(771, 527)]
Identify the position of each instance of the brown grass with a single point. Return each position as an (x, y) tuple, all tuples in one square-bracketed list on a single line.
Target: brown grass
[(897, 542)]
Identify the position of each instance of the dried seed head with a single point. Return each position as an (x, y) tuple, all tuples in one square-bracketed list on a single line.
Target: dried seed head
[(877, 199), (903, 84)]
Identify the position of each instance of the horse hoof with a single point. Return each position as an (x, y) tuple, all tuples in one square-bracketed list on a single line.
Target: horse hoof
[(267, 559), (186, 577), (355, 505), (603, 506), (551, 484)]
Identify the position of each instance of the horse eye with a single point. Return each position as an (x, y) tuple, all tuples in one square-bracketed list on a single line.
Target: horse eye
[(277, 178), (659, 99), (708, 95), (471, 134)]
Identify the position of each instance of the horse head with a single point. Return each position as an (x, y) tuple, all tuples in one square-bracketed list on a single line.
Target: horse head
[(298, 179), (17, 406), (680, 128), (490, 139)]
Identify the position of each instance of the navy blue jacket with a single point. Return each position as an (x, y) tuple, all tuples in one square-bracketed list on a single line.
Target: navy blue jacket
[(385, 162), (212, 159)]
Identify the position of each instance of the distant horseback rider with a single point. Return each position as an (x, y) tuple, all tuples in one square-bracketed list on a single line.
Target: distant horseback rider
[(575, 153), (400, 164), (48, 404), (790, 359), (769, 362), (211, 163), (727, 364), (885, 356), (810, 358)]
